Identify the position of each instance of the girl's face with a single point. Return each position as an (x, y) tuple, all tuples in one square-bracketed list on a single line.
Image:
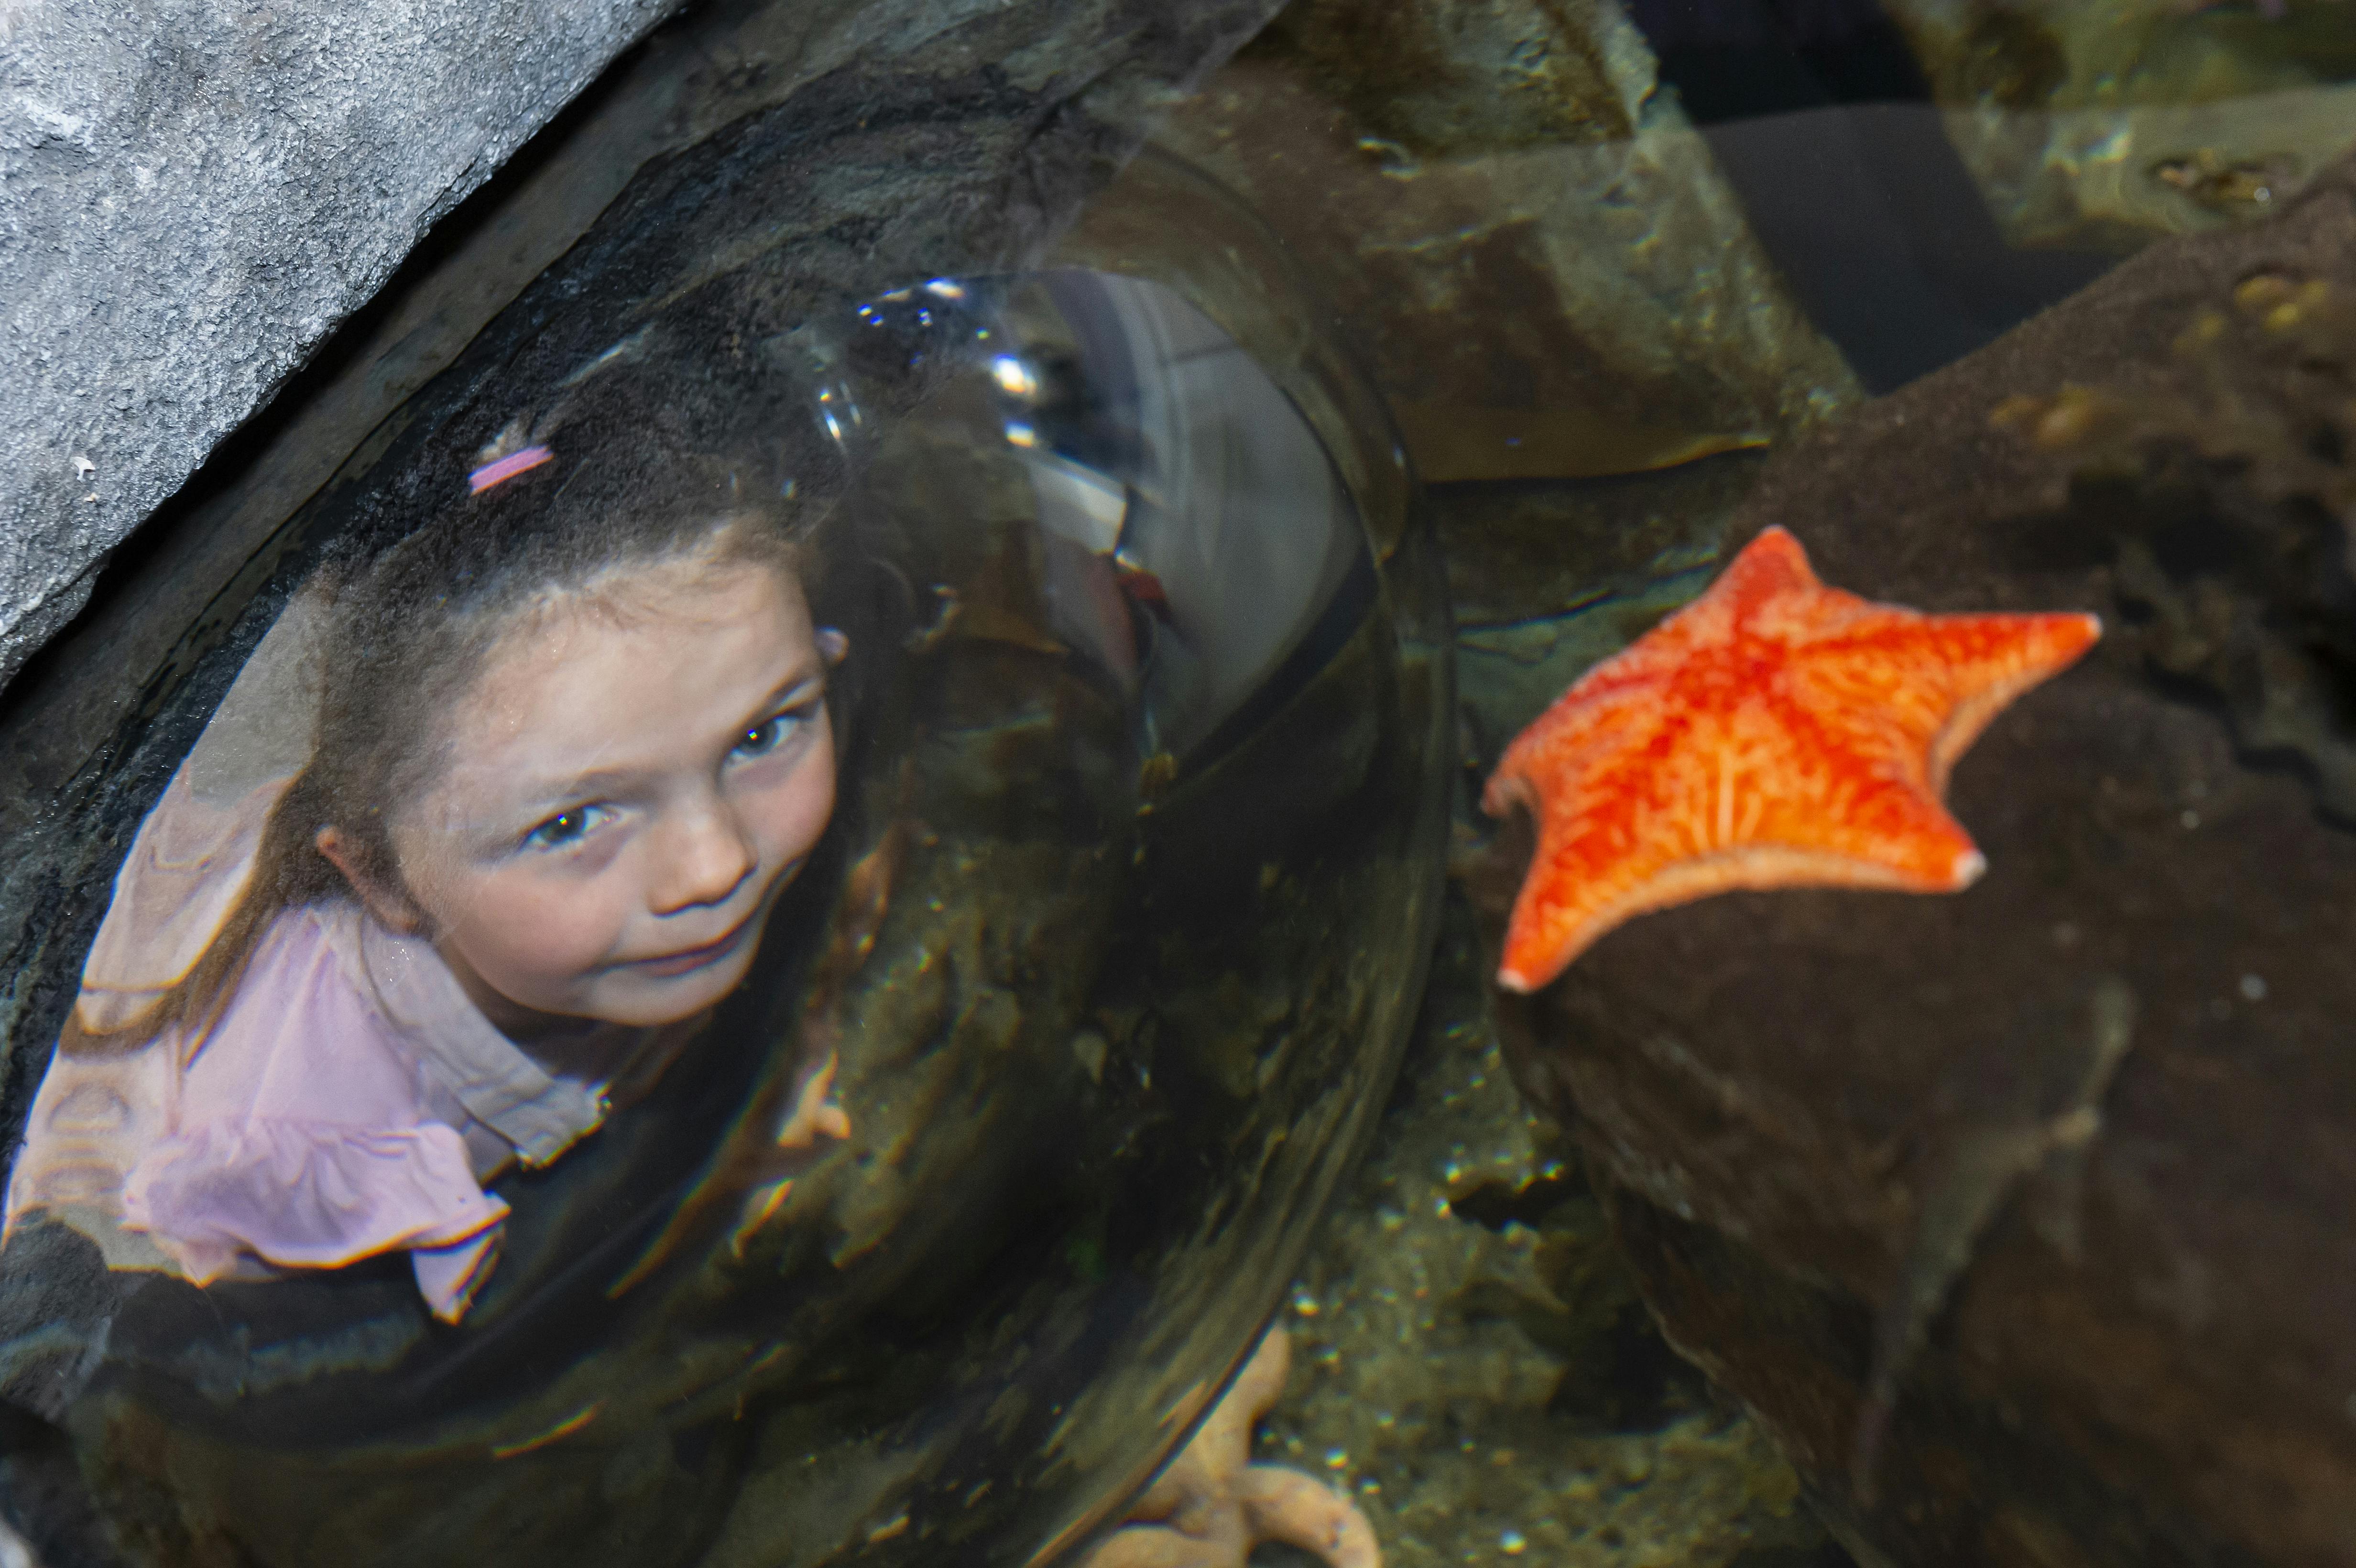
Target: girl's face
[(631, 783)]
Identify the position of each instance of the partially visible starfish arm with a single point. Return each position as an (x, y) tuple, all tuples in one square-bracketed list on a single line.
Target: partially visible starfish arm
[(815, 1115), (1301, 1510)]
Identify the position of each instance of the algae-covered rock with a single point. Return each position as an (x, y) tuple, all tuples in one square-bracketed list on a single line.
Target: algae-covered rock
[(2222, 475)]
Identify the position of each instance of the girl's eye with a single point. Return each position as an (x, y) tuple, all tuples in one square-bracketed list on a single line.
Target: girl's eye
[(765, 737), (564, 828)]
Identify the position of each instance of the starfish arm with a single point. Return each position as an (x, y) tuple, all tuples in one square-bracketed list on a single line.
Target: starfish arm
[(1155, 1546), (1771, 566), (1837, 792), (1611, 814), (1994, 659), (1613, 706), (1891, 834), (1299, 1510), (1560, 770), (1919, 851), (1936, 682), (1571, 882), (1658, 819)]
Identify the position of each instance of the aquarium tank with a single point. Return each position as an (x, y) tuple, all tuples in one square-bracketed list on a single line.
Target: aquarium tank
[(1348, 782)]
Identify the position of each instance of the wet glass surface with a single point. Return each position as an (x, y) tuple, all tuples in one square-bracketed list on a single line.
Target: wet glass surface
[(1166, 592)]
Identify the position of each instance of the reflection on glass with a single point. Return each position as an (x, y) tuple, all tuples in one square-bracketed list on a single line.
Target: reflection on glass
[(1194, 534)]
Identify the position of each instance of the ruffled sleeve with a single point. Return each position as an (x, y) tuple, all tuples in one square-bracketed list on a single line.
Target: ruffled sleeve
[(314, 1195)]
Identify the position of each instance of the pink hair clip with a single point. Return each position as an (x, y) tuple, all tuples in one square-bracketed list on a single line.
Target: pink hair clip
[(506, 467)]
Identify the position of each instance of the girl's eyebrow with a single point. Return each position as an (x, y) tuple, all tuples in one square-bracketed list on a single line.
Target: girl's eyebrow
[(786, 689), (784, 695)]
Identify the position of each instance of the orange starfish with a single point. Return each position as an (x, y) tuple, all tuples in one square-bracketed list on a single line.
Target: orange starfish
[(1774, 733)]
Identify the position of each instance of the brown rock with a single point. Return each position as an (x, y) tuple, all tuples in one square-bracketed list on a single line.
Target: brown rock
[(2023, 1216)]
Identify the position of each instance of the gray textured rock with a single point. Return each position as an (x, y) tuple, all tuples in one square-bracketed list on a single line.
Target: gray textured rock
[(192, 195)]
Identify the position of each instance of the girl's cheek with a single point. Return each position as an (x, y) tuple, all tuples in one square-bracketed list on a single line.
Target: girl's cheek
[(544, 908), (595, 857), (801, 802), (792, 820), (554, 944)]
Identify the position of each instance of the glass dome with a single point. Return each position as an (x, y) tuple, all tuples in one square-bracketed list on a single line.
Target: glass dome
[(944, 1223)]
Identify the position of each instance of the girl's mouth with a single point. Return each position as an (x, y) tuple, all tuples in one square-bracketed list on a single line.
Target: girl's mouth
[(688, 960)]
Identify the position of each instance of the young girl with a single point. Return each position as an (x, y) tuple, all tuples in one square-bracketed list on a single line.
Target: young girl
[(571, 745)]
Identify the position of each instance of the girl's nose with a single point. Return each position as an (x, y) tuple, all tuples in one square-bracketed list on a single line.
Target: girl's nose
[(702, 860)]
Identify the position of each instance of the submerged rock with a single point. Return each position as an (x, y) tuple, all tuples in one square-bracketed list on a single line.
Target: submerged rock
[(2020, 1216), (2222, 476)]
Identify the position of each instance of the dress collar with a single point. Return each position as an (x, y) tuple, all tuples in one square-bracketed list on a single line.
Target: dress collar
[(540, 1113)]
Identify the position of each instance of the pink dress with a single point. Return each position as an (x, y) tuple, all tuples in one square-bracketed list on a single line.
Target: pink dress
[(350, 1100)]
